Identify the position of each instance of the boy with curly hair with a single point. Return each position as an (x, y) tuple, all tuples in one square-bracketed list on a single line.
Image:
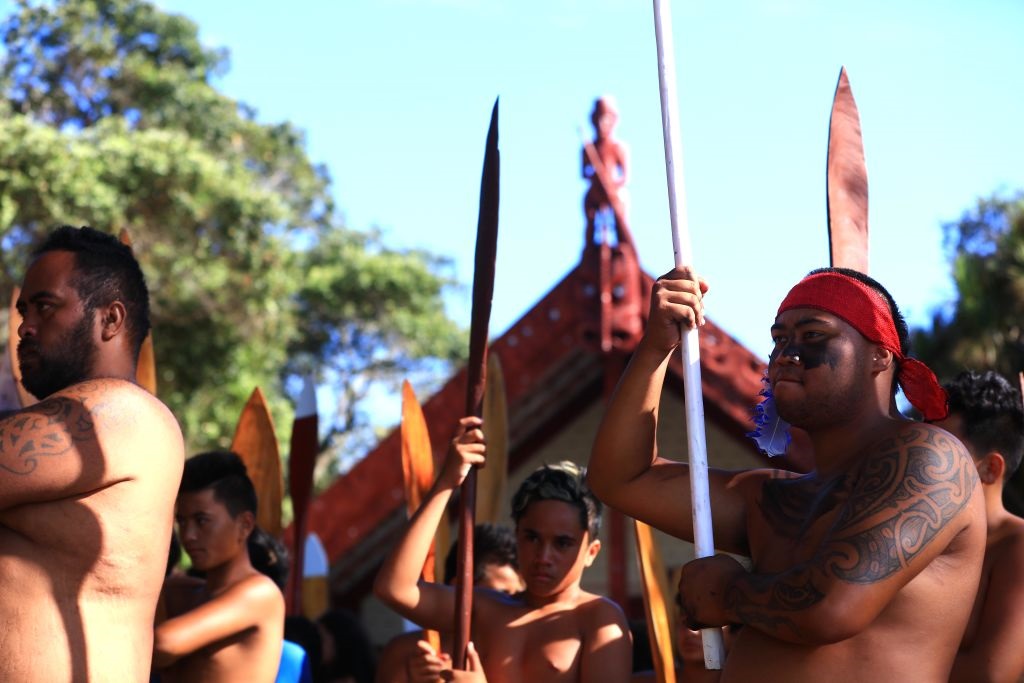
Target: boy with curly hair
[(551, 631), (986, 414)]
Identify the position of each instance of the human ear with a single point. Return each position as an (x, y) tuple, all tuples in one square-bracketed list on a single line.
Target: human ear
[(991, 468), (881, 359), (112, 318), (592, 550), (246, 523)]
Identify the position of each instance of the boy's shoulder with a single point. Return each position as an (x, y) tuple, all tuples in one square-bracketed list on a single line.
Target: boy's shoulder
[(599, 609), (258, 592)]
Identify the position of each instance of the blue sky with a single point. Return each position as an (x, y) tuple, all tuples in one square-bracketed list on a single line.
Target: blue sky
[(394, 97)]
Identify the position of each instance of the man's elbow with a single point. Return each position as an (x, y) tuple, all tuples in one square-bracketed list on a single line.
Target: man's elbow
[(833, 621), (600, 485)]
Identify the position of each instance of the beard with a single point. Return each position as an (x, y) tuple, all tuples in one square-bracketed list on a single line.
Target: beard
[(68, 362)]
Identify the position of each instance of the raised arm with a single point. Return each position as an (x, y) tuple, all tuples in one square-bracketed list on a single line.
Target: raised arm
[(398, 582), (245, 605), (53, 449), (995, 653), (625, 470), (911, 500)]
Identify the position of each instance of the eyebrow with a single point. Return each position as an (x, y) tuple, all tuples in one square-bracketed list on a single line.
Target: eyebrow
[(803, 322)]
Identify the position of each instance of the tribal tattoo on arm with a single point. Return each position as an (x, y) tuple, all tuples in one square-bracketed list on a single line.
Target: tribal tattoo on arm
[(900, 500), (48, 429)]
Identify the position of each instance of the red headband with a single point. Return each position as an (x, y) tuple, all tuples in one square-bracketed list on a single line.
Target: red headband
[(868, 312)]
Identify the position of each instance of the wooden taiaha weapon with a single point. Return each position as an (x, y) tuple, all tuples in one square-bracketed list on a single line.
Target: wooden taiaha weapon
[(659, 626), (847, 183), (305, 444), (417, 478), (145, 367), (491, 479), (13, 323), (703, 535), (255, 443), (476, 376)]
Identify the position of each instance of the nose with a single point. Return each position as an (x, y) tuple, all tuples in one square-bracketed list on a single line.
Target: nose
[(545, 554), (25, 327), (790, 354), (186, 531)]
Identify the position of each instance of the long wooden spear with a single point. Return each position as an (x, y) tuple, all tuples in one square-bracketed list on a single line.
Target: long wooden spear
[(491, 480), (417, 478), (659, 626), (476, 376), (301, 463), (847, 182), (145, 367), (703, 535), (255, 442)]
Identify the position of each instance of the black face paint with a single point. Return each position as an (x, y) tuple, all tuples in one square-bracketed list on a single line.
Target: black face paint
[(811, 354)]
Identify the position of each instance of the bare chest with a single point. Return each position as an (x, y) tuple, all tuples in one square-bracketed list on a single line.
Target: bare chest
[(535, 649), (790, 521)]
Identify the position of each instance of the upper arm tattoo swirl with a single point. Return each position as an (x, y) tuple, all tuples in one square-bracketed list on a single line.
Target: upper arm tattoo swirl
[(900, 500), (903, 498), (50, 428)]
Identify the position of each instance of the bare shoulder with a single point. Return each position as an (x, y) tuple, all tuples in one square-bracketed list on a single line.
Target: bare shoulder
[(597, 611), (751, 482), (910, 465), (1006, 545), (257, 588)]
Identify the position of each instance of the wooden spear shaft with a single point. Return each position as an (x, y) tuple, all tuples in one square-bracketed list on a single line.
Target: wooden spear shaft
[(476, 377), (702, 531)]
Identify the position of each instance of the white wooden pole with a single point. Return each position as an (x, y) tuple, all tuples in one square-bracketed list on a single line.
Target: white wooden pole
[(702, 532)]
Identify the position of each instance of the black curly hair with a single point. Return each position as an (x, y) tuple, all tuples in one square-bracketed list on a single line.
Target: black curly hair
[(993, 415), (224, 473), (492, 544), (565, 481), (105, 271)]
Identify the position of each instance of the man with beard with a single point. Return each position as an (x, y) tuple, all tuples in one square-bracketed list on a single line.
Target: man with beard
[(88, 475), (865, 568)]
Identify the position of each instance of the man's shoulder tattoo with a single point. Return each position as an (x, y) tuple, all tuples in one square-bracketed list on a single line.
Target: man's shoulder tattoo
[(50, 428), (903, 497)]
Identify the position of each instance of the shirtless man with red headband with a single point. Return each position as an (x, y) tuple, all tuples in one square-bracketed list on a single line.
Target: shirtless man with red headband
[(866, 568)]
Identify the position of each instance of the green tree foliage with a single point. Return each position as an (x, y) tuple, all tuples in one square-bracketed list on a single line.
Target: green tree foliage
[(981, 330), (109, 118), (983, 327)]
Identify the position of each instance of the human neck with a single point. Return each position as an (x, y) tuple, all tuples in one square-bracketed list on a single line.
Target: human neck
[(837, 447), (569, 594), (995, 512), (228, 574)]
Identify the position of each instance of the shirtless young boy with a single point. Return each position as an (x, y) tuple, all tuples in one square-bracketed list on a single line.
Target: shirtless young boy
[(87, 476), (232, 628), (985, 413), (552, 631), (863, 570)]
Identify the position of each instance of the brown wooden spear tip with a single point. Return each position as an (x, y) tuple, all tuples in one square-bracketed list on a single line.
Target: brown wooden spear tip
[(256, 443), (847, 181), (476, 375)]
